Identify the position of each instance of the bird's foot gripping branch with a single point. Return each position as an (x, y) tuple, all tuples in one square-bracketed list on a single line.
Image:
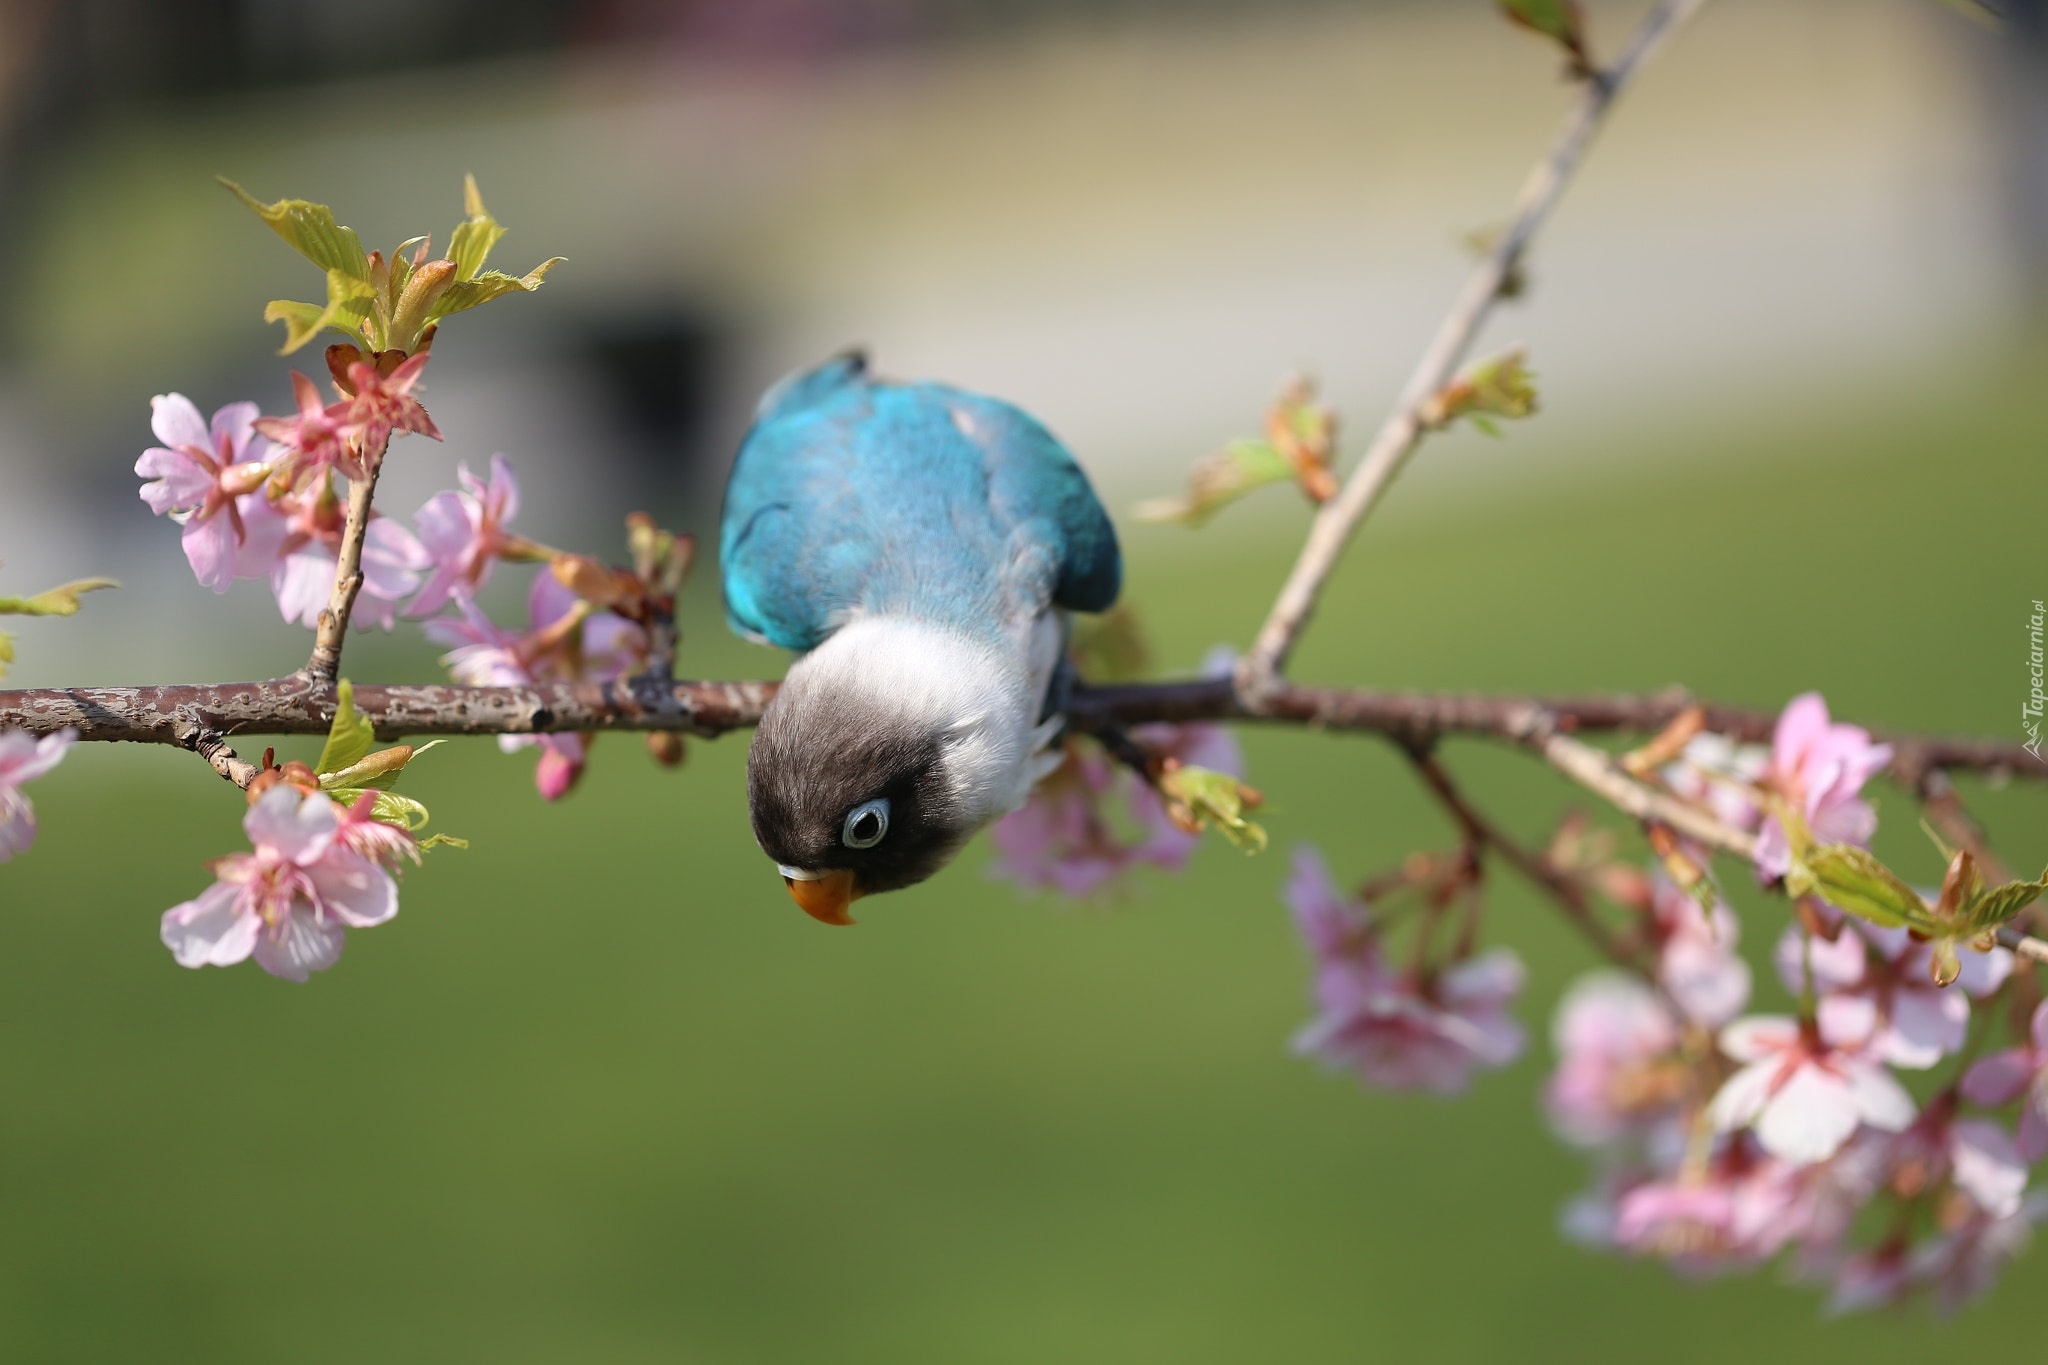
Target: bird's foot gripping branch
[(1868, 1112)]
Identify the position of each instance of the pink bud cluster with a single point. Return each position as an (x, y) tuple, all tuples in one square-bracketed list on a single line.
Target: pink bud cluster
[(1424, 1025), (1089, 822)]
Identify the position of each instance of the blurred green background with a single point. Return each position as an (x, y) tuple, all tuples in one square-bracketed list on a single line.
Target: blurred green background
[(600, 1093)]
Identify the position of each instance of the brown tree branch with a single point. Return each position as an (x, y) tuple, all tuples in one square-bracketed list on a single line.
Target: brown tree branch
[(298, 706), (1339, 519)]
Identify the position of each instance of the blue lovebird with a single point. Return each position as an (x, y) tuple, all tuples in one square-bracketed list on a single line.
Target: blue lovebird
[(917, 546)]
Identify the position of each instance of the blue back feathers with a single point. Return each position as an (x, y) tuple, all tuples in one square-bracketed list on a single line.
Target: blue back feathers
[(853, 494)]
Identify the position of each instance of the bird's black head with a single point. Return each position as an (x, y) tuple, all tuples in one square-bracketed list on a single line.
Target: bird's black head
[(850, 796)]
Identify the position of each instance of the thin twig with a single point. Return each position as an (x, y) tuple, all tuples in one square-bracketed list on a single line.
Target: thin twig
[(212, 746), (325, 663), (1483, 833), (1339, 519), (1598, 773)]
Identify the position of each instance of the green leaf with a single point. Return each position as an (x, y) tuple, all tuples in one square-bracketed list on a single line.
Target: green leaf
[(349, 301), (6, 652), (2001, 903), (58, 601), (349, 738), (471, 242), (1852, 879), (437, 840), (465, 294), (311, 231), (1559, 20), (403, 811), (1219, 480)]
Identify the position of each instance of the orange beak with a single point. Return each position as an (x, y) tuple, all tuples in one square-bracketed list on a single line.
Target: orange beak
[(824, 897)]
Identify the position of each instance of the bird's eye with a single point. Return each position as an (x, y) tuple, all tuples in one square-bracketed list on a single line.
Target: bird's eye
[(866, 824)]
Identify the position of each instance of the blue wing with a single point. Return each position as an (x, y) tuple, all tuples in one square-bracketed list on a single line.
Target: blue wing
[(849, 493)]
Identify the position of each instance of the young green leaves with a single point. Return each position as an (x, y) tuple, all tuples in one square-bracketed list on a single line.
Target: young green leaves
[(57, 601), (347, 768), (1299, 443), (389, 304), (1965, 914), (1500, 386)]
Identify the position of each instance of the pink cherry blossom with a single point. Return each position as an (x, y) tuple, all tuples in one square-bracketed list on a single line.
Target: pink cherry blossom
[(302, 536), (1737, 1209), (1963, 1262), (23, 758), (464, 533), (1615, 1076), (1067, 837), (1719, 773), (380, 841), (1875, 989), (2018, 1073), (1801, 1091), (1696, 961), (287, 902), (1819, 768), (205, 477), (1062, 837), (383, 404), (568, 642), (1396, 1029), (315, 436)]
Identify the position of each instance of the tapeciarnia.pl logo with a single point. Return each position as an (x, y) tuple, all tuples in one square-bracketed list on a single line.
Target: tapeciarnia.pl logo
[(2030, 713)]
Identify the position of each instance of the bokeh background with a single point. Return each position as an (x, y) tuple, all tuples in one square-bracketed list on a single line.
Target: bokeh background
[(601, 1093)]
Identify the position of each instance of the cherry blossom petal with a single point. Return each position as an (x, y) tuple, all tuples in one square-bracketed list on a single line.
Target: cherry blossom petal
[(17, 823), (1849, 1021), (302, 582), (2033, 1133), (1800, 727), (1810, 1116), (211, 548), (299, 945), (177, 422), (234, 426), (298, 826), (1742, 1096), (1986, 1166), (1492, 976), (213, 929), (1318, 907), (1983, 973), (1998, 1079), (24, 758), (352, 888), (1879, 1098), (1709, 983), (264, 529), (1759, 1036), (178, 480), (1925, 1026)]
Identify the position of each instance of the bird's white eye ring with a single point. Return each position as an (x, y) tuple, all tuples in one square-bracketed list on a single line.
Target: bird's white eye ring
[(866, 824)]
